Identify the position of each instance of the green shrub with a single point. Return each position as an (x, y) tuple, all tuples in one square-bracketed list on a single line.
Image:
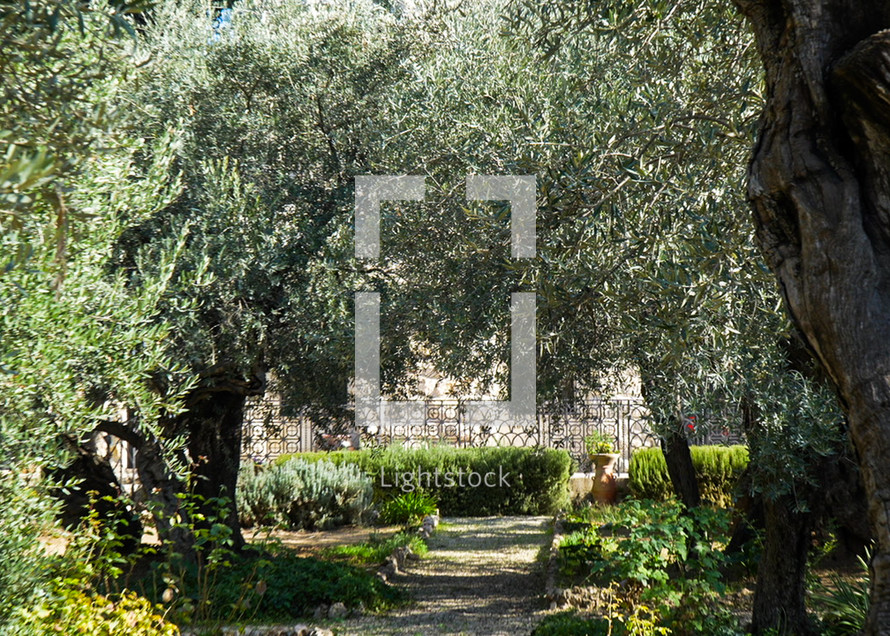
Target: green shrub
[(302, 494), (408, 508), (264, 495), (71, 611), (280, 586), (717, 468), (535, 479), (569, 623)]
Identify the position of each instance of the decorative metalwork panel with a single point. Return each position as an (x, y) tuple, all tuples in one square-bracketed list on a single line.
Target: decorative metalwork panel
[(626, 421), (267, 434)]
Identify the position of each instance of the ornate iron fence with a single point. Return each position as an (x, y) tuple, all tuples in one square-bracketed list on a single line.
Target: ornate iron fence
[(267, 434), (626, 420)]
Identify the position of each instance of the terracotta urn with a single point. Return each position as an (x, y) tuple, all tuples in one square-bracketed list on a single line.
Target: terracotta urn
[(605, 487)]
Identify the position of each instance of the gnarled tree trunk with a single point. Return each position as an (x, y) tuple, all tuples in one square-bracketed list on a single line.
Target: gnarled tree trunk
[(819, 183), (213, 421), (215, 449)]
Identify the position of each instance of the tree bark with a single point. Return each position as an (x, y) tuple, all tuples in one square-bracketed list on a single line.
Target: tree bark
[(675, 447), (819, 183), (214, 445), (213, 420), (780, 596)]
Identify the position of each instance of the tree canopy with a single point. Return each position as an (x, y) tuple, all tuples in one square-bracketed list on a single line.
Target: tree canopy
[(178, 214)]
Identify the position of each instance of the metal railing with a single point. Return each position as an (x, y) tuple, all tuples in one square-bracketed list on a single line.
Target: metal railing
[(267, 434)]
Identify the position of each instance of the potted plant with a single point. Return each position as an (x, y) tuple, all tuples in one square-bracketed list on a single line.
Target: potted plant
[(601, 450)]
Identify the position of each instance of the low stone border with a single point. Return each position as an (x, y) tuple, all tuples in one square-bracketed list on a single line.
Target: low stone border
[(589, 598), (555, 595), (395, 562), (275, 630)]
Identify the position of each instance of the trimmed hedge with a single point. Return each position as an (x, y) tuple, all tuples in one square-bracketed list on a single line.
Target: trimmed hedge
[(521, 481), (717, 468)]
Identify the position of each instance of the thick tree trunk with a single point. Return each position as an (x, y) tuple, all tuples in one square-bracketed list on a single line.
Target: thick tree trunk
[(674, 445), (779, 600), (820, 187), (215, 448)]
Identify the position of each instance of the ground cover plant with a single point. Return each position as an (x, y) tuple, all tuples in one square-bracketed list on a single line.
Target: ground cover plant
[(284, 586), (95, 585), (657, 560), (842, 602), (375, 550)]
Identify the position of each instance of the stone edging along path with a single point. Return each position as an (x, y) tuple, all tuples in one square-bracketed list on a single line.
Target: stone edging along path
[(482, 576)]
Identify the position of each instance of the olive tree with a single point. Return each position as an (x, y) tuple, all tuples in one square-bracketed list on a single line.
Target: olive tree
[(699, 312), (818, 184), (275, 111), (76, 345)]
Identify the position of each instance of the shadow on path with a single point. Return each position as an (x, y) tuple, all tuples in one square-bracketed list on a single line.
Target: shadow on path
[(481, 577)]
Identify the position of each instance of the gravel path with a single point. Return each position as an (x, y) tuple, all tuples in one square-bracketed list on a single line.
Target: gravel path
[(482, 576)]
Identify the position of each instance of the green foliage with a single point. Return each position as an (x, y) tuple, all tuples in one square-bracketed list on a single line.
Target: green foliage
[(670, 561), (598, 442), (24, 511), (78, 345), (83, 591), (716, 467), (843, 604), (299, 494), (637, 622), (213, 585), (71, 611), (377, 548), (53, 55), (644, 539), (188, 580), (280, 585), (537, 478), (408, 508), (278, 110)]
